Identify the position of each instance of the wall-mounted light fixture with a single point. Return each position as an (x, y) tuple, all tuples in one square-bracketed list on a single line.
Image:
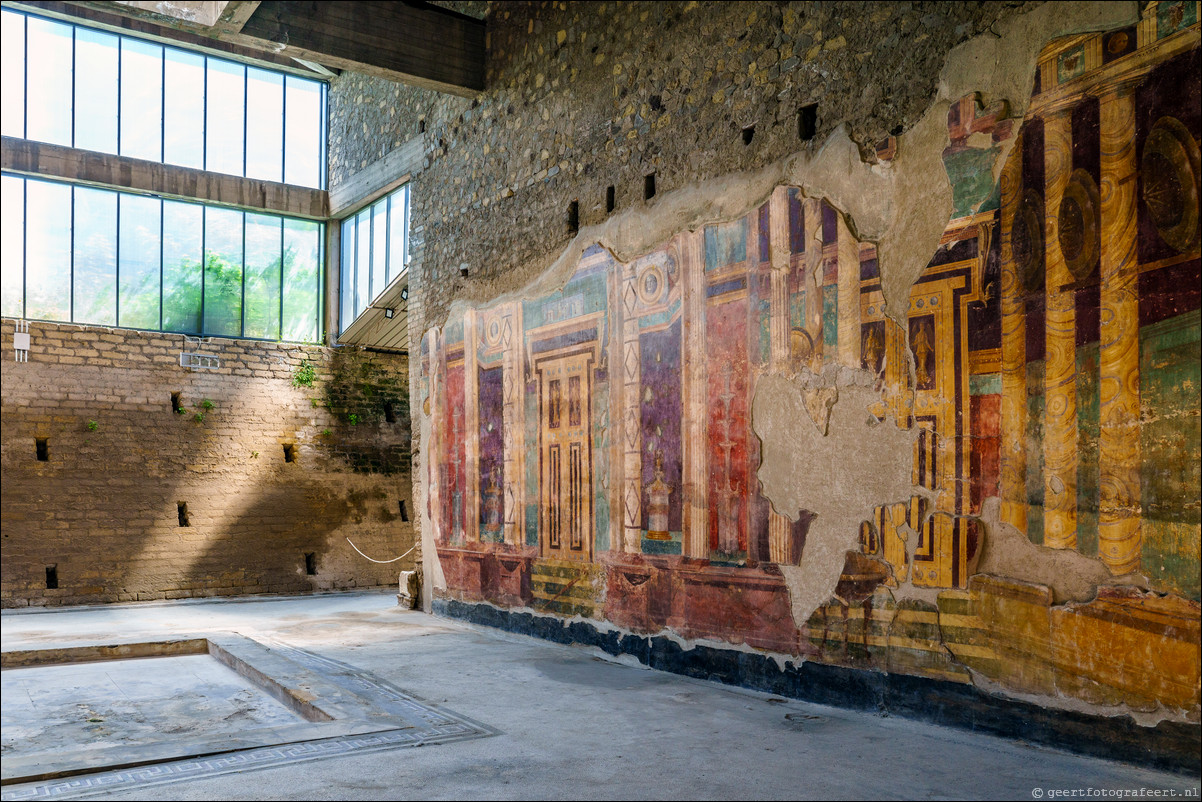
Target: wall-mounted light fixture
[(404, 293), (389, 312)]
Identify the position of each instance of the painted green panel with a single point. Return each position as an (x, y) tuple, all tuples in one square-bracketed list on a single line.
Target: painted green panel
[(1088, 427), (970, 172), (985, 384), (830, 318), (1169, 377), (725, 244)]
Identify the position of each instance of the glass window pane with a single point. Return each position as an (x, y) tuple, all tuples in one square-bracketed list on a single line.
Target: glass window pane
[(183, 111), (138, 257), (141, 100), (12, 74), (95, 256), (12, 245), (398, 232), (183, 229), (262, 276), (379, 247), (302, 133), (96, 56), (223, 126), (264, 125), (363, 263), (223, 272), (48, 250), (302, 276), (346, 283), (49, 65)]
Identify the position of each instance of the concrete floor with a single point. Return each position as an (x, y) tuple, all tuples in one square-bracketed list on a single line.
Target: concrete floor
[(571, 723)]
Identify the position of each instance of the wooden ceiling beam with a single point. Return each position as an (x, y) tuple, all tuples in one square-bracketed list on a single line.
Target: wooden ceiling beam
[(412, 43)]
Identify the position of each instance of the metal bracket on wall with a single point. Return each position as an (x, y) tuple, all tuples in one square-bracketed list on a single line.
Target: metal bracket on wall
[(21, 341), (195, 360)]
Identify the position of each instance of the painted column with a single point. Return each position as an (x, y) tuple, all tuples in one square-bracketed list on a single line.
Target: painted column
[(1118, 442), (632, 457), (1013, 458), (436, 457), (779, 526), (1060, 387), (471, 428), (695, 508), (514, 416), (614, 486), (849, 297), (813, 280)]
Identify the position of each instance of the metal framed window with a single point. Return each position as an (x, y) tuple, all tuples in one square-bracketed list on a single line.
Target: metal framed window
[(71, 85), (375, 253), (139, 261)]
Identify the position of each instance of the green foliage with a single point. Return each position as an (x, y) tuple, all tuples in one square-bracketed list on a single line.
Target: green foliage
[(180, 411), (198, 417), (206, 405), (326, 433), (220, 284), (305, 374), (352, 419), (93, 426), (254, 455)]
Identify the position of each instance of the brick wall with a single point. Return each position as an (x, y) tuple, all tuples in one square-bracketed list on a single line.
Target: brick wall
[(104, 509)]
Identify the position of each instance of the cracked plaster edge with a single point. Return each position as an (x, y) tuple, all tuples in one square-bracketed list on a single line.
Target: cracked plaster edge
[(993, 66), (902, 206)]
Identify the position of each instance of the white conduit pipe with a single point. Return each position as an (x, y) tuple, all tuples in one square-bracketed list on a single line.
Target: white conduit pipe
[(382, 562)]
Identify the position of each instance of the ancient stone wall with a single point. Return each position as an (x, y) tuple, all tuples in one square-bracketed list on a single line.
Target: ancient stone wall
[(914, 403), (162, 482), (585, 96)]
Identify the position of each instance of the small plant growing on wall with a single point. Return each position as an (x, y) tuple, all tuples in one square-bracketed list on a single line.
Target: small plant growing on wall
[(205, 405), (93, 426), (304, 375), (352, 419), (326, 433), (254, 455)]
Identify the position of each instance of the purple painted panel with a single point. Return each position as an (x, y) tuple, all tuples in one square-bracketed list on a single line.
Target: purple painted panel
[(661, 414), (492, 452)]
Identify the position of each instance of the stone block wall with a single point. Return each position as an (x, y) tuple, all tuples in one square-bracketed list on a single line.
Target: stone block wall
[(584, 96), (252, 486)]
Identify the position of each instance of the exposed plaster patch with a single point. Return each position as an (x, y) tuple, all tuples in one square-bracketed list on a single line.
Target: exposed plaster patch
[(903, 205), (841, 476), (1072, 576)]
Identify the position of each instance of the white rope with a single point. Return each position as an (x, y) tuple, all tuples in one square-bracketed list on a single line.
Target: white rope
[(382, 562)]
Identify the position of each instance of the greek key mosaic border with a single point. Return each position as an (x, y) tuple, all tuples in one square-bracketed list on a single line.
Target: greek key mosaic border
[(439, 727)]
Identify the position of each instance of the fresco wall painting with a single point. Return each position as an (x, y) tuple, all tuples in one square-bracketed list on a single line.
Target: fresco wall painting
[(593, 452)]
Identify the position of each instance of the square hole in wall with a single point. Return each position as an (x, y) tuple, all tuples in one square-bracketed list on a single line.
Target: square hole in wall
[(573, 218), (403, 510), (610, 199), (51, 577), (807, 122), (748, 134), (176, 404), (290, 453), (311, 563), (41, 448), (182, 512), (649, 186)]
